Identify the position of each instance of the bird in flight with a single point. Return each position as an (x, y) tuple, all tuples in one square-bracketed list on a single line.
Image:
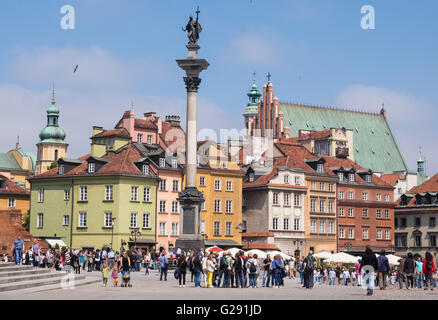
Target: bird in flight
[(75, 68)]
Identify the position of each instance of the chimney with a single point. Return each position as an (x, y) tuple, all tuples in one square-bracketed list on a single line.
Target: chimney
[(149, 115), (96, 130), (173, 120)]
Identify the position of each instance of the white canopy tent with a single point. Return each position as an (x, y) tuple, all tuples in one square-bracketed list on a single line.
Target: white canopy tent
[(53, 242), (342, 257), (233, 251), (283, 255), (392, 259), (260, 254), (323, 255)]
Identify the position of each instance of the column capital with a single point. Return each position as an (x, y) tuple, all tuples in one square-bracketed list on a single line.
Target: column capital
[(192, 83)]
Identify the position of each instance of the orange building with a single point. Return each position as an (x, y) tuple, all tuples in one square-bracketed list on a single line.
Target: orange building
[(12, 196)]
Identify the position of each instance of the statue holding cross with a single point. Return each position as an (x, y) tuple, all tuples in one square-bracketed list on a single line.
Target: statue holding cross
[(193, 28)]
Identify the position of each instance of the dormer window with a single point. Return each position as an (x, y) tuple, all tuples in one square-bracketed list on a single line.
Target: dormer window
[(320, 168), (251, 177), (351, 177), (341, 176), (91, 167), (368, 178), (225, 165), (145, 169), (61, 169), (139, 138), (218, 165), (174, 163), (149, 139), (286, 179), (162, 162)]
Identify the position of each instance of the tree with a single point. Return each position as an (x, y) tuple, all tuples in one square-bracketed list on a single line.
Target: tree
[(26, 221), (54, 164)]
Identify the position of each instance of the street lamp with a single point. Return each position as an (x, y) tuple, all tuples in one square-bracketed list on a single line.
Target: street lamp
[(204, 236), (135, 233), (112, 231)]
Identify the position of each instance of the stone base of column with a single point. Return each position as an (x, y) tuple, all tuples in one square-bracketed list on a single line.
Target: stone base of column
[(187, 244)]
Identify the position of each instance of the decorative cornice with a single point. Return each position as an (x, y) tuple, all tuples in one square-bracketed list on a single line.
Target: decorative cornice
[(192, 83)]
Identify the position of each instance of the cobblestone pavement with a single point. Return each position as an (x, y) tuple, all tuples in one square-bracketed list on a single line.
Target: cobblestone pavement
[(151, 288)]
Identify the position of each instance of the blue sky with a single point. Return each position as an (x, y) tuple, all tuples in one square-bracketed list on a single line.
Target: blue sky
[(126, 51)]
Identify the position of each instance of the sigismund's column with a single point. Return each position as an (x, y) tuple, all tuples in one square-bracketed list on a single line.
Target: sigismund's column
[(191, 198)]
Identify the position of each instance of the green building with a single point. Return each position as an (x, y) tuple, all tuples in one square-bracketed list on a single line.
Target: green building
[(94, 202)]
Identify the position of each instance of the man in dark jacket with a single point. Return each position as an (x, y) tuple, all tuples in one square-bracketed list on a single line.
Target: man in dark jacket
[(401, 273), (369, 266), (383, 268), (309, 266)]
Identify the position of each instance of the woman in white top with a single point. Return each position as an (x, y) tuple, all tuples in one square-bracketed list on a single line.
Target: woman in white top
[(210, 269)]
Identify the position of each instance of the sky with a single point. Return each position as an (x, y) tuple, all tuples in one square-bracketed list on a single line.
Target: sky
[(316, 51)]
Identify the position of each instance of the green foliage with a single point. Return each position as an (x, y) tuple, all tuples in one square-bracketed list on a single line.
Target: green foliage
[(54, 164), (26, 221), (57, 246)]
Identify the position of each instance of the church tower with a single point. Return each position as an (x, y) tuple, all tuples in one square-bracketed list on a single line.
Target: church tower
[(421, 171), (51, 146), (251, 111)]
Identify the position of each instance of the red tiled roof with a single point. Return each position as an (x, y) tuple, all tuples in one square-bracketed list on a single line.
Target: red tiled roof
[(12, 188), (144, 123), (257, 234), (430, 185), (260, 246), (392, 178), (115, 132), (315, 135), (286, 186)]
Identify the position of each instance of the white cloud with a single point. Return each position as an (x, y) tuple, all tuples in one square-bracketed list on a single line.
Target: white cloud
[(412, 119)]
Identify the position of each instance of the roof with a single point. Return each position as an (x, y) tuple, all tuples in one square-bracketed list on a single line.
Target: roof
[(222, 243), (257, 234), (392, 178), (12, 188), (144, 123), (430, 185), (8, 162), (260, 246), (114, 132), (374, 145), (323, 134)]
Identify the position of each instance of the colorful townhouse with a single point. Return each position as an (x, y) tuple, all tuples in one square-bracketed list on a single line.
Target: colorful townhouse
[(101, 199), (220, 180), (13, 196)]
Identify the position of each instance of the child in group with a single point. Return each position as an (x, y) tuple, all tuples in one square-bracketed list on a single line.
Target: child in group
[(325, 276), (353, 277), (393, 277), (115, 275), (105, 270), (346, 276), (332, 276)]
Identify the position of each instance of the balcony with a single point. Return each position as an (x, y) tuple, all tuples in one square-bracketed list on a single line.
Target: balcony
[(342, 152)]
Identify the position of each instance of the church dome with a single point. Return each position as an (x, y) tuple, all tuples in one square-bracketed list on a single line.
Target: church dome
[(52, 133)]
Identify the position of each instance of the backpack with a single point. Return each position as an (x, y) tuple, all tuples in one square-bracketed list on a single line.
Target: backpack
[(224, 263), (252, 267), (429, 265), (309, 265)]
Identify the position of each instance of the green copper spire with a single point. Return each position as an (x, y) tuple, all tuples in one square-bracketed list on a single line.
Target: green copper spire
[(254, 98), (52, 132), (421, 172)]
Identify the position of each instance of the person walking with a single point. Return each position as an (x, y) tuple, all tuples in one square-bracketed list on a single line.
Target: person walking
[(210, 269), (266, 271), (182, 267), (154, 259), (401, 276), (419, 276), (409, 269), (309, 266), (17, 250), (301, 271), (197, 269), (125, 264), (277, 267), (383, 269), (429, 270), (239, 270), (369, 265), (223, 270), (332, 276), (147, 262), (111, 259), (164, 265)]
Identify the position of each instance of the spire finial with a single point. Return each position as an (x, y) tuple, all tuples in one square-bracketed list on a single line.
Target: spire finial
[(269, 77), (53, 93), (254, 74), (132, 105), (17, 145)]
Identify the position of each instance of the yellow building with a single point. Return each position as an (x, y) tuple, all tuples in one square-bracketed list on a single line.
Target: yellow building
[(17, 165), (220, 180), (12, 196)]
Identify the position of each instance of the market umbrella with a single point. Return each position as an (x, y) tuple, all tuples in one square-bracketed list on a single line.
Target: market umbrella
[(283, 255), (260, 254), (213, 249), (233, 251), (393, 259), (323, 255), (342, 257)]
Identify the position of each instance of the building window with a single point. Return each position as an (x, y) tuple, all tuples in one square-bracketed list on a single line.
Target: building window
[(275, 224), (312, 205), (342, 212), (146, 220), (297, 199), (218, 165), (175, 185), (331, 187), (174, 228), (275, 198), (368, 178), (322, 186), (83, 194), (351, 233), (432, 240), (331, 227), (403, 222), (146, 194), (108, 222), (66, 220), (217, 206), (297, 181), (379, 197), (379, 234), (217, 228), (386, 214), (11, 203), (139, 138), (418, 241), (203, 208), (217, 185), (61, 169), (296, 224), (341, 233), (387, 197), (174, 163), (341, 195), (229, 185), (432, 221), (364, 213), (146, 169), (40, 220), (174, 206), (203, 227), (133, 223), (322, 227), (331, 206), (163, 184), (387, 235), (340, 176), (350, 212), (202, 181), (66, 195), (417, 221), (108, 193), (350, 195), (322, 205), (351, 177), (228, 228), (134, 193), (162, 162), (364, 196), (162, 206), (396, 222), (286, 224), (379, 213), (41, 195), (286, 179), (225, 165), (286, 197), (162, 228), (91, 167), (312, 226), (229, 206), (82, 219), (313, 185), (365, 234), (404, 241), (320, 168), (149, 139)]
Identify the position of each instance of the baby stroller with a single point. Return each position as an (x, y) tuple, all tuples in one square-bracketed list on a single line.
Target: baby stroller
[(126, 279)]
